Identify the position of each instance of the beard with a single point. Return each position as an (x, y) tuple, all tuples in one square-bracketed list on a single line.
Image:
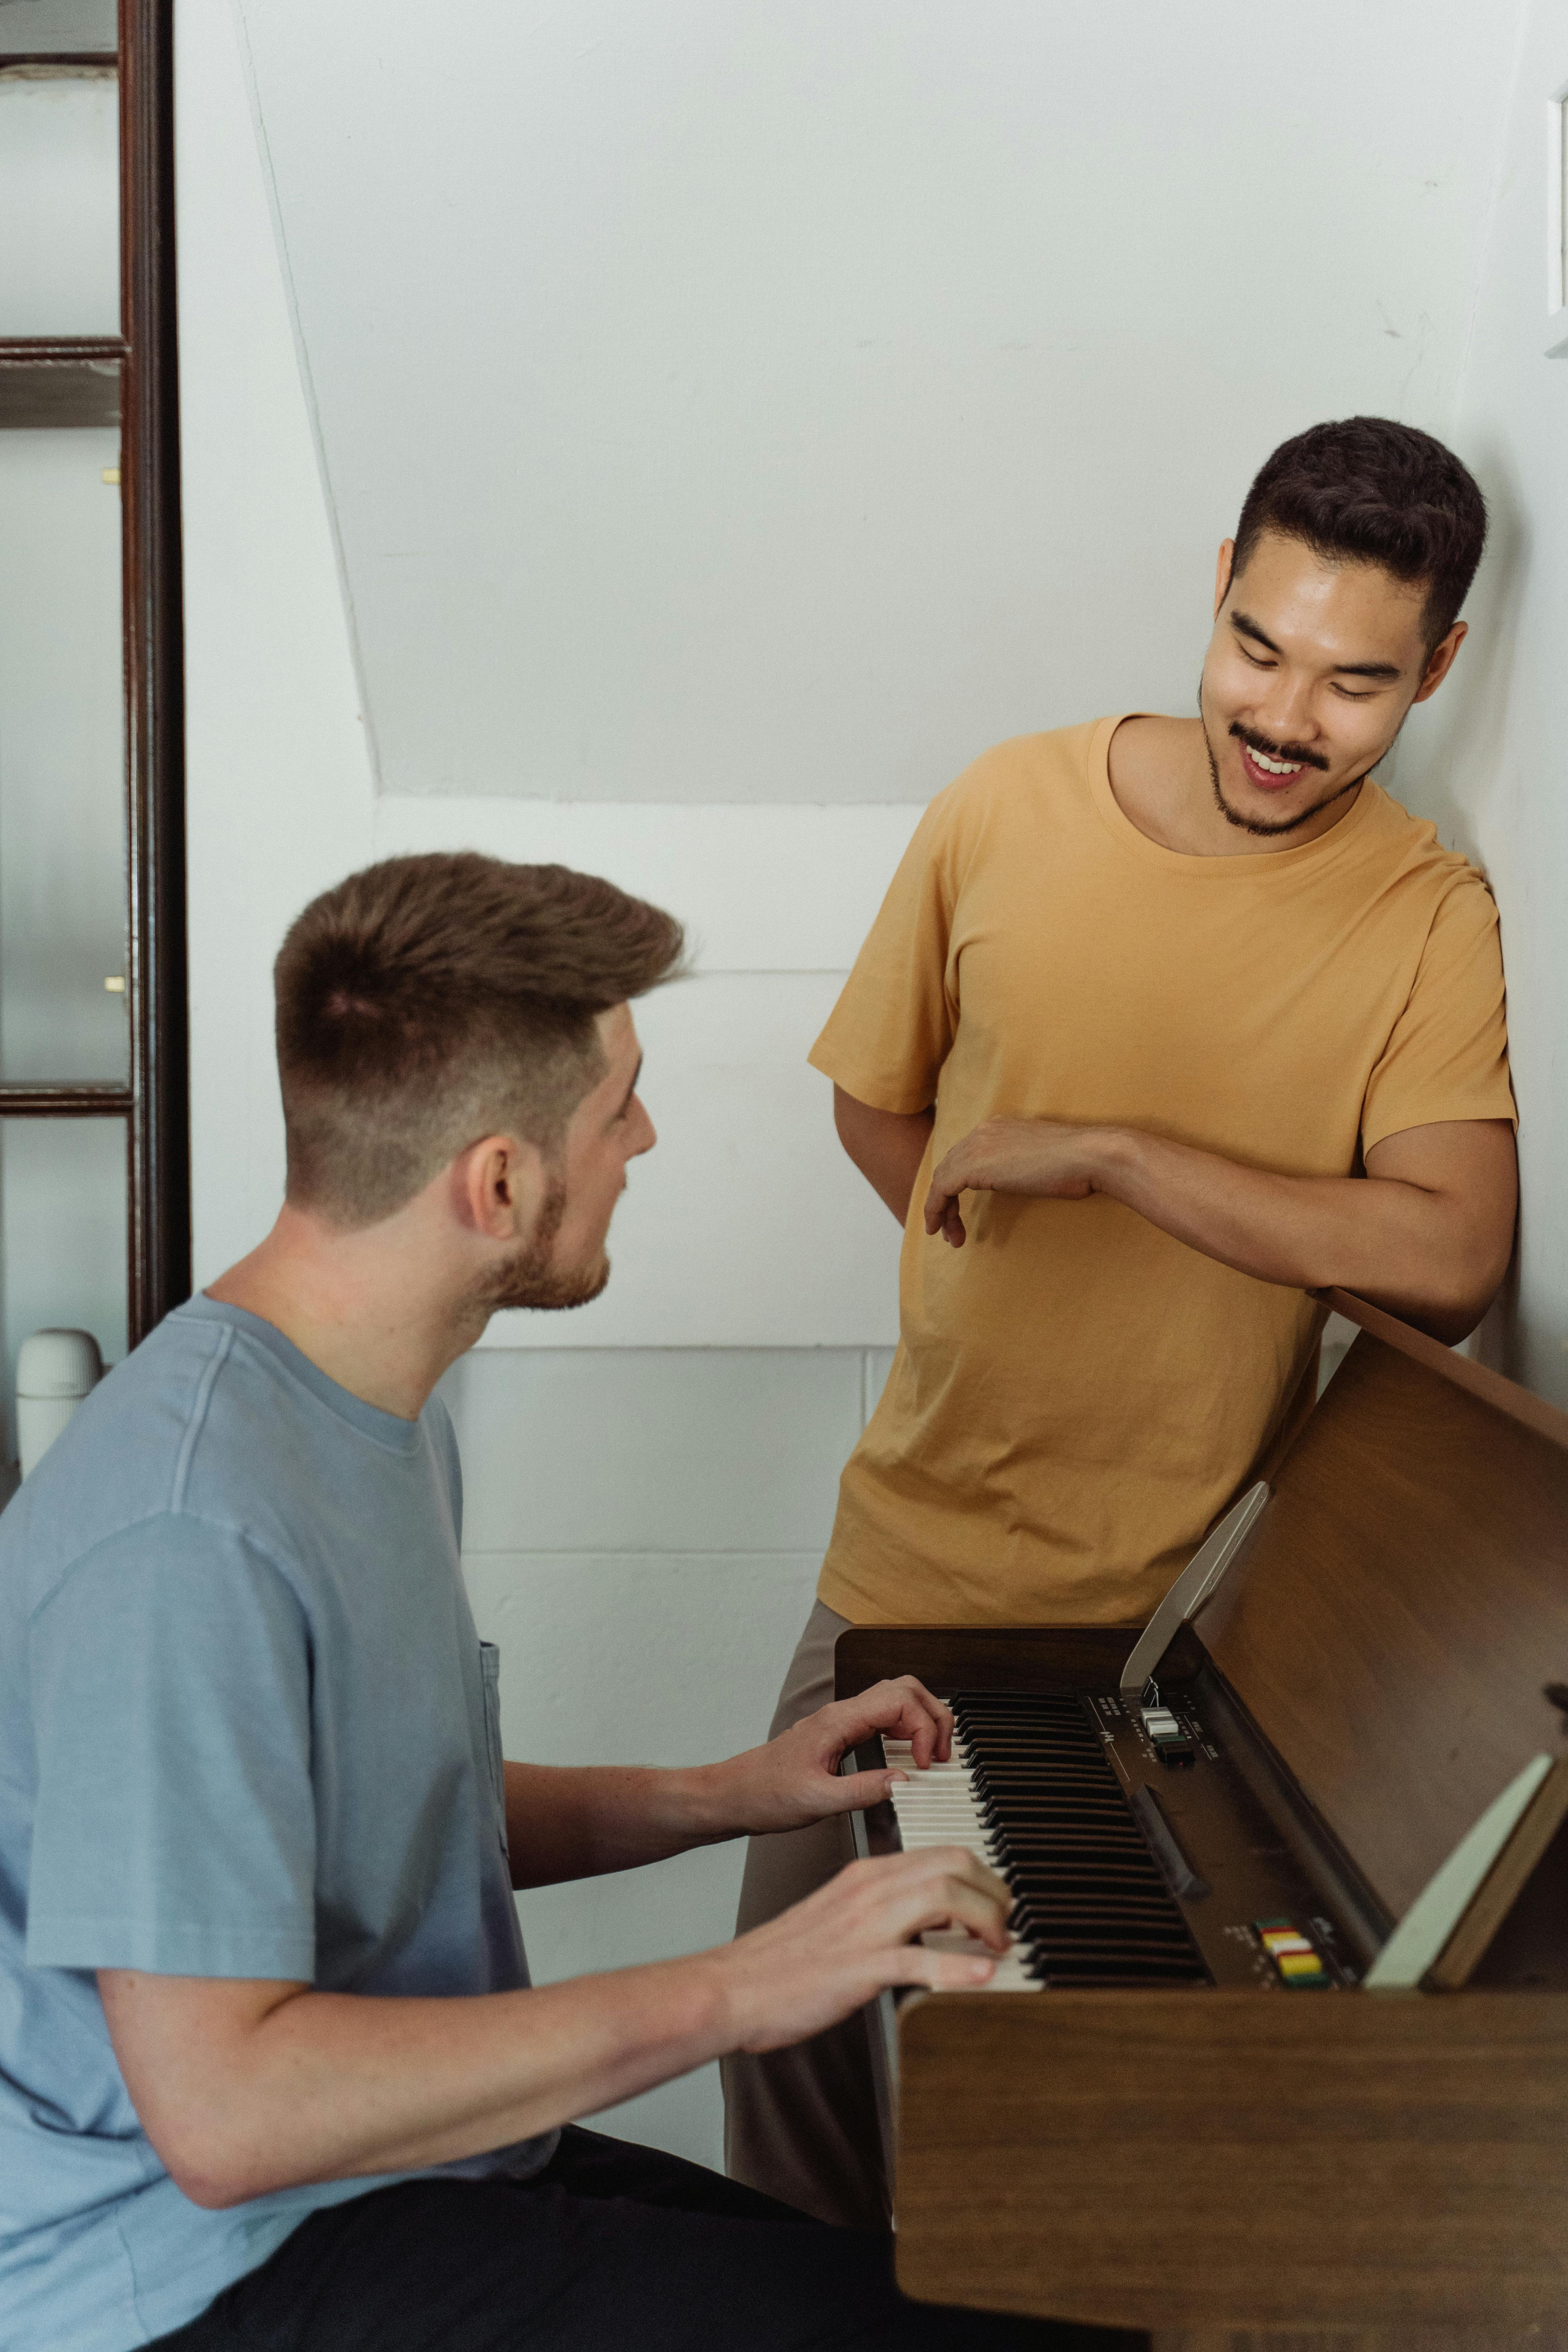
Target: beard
[(1271, 828), (531, 1278)]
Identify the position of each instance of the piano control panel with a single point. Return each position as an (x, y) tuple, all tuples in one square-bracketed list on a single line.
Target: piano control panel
[(1140, 1846)]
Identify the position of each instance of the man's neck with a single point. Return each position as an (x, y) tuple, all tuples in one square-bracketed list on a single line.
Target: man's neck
[(1163, 783), (362, 1305)]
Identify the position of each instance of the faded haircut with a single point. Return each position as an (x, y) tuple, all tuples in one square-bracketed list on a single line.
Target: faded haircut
[(1368, 490), (427, 1001)]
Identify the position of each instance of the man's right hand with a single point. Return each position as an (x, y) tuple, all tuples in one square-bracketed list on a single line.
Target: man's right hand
[(804, 1971), (248, 2085)]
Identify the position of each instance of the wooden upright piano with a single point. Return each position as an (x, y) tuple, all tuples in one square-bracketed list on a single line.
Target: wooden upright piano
[(1351, 1765)]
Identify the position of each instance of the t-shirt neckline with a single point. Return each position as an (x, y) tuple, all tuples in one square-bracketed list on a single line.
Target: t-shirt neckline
[(1252, 864), (387, 1429)]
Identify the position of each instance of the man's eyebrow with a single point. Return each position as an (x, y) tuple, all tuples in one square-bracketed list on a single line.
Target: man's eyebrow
[(1243, 624)]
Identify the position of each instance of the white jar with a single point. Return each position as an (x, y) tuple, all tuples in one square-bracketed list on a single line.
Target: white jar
[(55, 1369)]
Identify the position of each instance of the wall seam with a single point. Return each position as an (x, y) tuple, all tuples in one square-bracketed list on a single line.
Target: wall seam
[(308, 387), (1480, 275), (643, 1551)]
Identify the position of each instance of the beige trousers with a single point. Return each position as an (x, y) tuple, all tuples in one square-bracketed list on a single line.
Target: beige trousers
[(801, 2124)]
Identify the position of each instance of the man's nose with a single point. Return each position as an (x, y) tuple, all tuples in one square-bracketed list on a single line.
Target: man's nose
[(1286, 714)]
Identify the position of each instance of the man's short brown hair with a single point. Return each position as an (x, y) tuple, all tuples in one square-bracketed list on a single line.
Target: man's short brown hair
[(427, 1001)]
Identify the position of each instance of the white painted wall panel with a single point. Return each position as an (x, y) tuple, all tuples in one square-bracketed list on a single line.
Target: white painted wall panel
[(678, 1450), (784, 888), (626, 1661), (601, 1660)]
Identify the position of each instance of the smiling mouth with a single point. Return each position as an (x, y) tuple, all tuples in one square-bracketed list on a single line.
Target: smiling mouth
[(1272, 771)]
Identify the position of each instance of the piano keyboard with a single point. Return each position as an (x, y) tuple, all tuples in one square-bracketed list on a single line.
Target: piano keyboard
[(1031, 1791), (938, 1807)]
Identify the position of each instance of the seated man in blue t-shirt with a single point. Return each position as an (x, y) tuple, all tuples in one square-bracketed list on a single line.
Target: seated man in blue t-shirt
[(271, 2072)]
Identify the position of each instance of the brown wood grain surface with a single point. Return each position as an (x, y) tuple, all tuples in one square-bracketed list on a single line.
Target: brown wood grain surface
[(159, 1237), (1234, 2160), (1040, 1658), (1404, 1601), (1532, 2337)]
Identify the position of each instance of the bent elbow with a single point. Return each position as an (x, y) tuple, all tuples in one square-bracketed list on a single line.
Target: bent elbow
[(1453, 1317), (211, 2172), (1447, 1325), (211, 2190)]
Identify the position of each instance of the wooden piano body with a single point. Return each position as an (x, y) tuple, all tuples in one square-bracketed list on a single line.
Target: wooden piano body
[(1242, 2158)]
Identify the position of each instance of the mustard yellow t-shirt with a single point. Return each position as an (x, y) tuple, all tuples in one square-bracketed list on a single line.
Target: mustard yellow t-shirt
[(1076, 1395)]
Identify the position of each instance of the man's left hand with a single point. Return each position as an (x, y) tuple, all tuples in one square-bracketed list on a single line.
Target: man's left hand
[(795, 1779)]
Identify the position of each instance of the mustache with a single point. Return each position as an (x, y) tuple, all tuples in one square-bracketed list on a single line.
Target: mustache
[(1294, 753)]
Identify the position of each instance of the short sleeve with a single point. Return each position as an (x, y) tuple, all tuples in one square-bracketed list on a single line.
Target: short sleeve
[(175, 1824), (892, 1027), (1448, 1055)]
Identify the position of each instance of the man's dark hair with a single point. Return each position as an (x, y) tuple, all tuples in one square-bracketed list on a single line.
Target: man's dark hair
[(1367, 490), (427, 1001)]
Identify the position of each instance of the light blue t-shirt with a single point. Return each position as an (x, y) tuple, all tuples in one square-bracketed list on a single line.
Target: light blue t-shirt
[(246, 1730)]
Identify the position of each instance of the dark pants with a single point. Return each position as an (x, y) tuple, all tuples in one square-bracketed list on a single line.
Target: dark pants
[(612, 2247)]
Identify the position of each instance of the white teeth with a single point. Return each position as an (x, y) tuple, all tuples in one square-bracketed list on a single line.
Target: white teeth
[(1275, 767)]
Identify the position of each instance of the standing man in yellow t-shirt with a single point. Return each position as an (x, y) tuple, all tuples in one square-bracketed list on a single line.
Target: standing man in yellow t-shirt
[(1164, 1024)]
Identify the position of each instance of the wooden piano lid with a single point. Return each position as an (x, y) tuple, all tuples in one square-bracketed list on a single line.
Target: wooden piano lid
[(1406, 1599)]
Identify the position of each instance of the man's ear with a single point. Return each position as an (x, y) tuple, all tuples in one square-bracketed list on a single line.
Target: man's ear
[(498, 1185), (1222, 573), (1442, 659)]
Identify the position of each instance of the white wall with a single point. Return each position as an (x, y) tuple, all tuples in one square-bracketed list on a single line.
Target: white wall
[(1488, 757), (280, 795), (773, 403), (732, 422), (643, 1529)]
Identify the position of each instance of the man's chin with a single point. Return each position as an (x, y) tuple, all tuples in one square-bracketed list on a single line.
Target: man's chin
[(1268, 821), (548, 1289)]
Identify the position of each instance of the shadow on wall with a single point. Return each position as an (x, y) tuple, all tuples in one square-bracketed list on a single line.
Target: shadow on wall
[(1460, 730), (1455, 770)]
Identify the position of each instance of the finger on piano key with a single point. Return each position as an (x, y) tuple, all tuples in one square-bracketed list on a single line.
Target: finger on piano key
[(934, 1807)]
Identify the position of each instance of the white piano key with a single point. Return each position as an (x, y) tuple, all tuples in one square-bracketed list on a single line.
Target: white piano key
[(937, 1807)]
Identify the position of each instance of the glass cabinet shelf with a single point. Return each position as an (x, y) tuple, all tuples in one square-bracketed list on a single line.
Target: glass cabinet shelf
[(59, 27), (62, 760), (63, 1237), (59, 200)]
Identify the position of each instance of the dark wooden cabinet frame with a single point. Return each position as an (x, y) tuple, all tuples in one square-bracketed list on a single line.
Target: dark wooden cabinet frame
[(133, 377)]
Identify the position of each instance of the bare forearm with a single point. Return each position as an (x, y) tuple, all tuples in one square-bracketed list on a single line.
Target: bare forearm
[(577, 1822), (1394, 1244), (330, 2085), (886, 1146)]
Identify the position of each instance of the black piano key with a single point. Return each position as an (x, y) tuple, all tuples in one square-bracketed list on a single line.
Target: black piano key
[(1091, 1906)]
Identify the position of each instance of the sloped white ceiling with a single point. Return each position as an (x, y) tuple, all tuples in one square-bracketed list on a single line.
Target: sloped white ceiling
[(784, 401)]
